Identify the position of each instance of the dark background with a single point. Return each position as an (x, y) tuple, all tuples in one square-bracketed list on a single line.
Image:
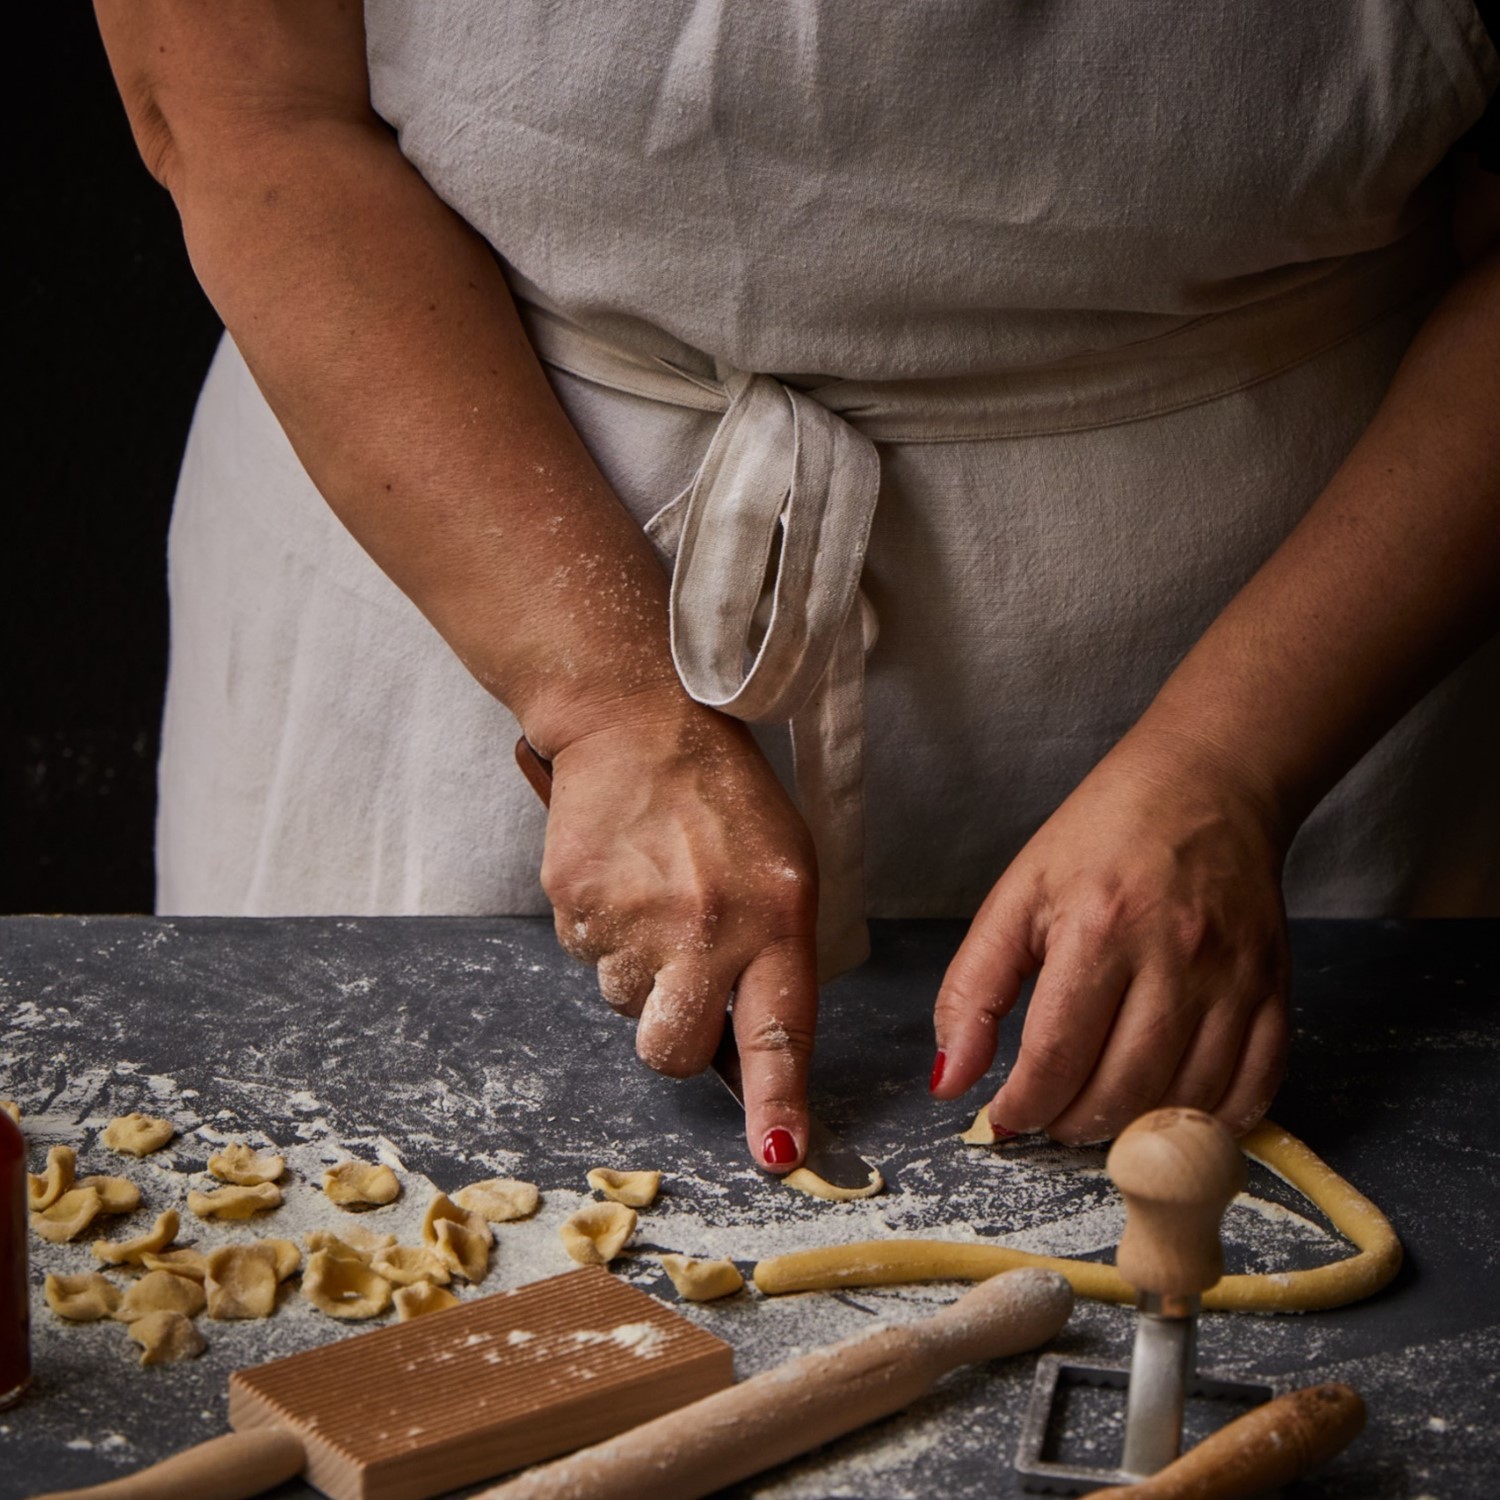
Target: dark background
[(108, 340)]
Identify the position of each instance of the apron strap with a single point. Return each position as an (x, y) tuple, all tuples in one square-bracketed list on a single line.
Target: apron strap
[(769, 542)]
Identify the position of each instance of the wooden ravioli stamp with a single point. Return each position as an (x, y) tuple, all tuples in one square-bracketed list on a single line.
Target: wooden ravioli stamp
[(488, 1386)]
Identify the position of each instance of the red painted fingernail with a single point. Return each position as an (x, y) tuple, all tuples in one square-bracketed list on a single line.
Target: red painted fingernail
[(937, 1071), (779, 1148), (1002, 1134)]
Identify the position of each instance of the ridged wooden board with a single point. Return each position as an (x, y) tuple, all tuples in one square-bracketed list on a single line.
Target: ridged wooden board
[(483, 1388)]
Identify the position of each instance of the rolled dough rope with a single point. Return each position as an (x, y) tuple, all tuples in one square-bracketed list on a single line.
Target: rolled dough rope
[(890, 1262), (708, 1444)]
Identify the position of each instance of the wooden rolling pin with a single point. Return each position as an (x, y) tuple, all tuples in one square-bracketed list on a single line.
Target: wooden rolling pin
[(1270, 1446), (233, 1467), (783, 1412)]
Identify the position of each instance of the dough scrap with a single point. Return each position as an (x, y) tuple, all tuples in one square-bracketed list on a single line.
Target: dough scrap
[(136, 1134), (286, 1256), (84, 1298), (67, 1218), (12, 1109), (161, 1291), (190, 1263), (702, 1280), (167, 1338), (895, 1261), (597, 1232), (816, 1187), (443, 1207), (117, 1195), (344, 1288), (406, 1265), (463, 1249), (499, 1199), (133, 1252), (361, 1184), (464, 1246), (357, 1245), (235, 1202), (634, 1189), (43, 1190), (419, 1299), (241, 1281), (981, 1132), (244, 1166)]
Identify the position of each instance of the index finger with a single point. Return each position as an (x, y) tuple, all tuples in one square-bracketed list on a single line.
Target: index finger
[(775, 1014)]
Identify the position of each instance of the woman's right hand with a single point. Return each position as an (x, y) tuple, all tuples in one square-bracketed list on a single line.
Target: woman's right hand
[(677, 864)]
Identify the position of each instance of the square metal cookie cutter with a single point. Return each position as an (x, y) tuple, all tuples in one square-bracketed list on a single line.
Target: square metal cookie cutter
[(1042, 1426)]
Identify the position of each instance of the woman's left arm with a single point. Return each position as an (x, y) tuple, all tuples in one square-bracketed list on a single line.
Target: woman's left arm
[(1150, 900)]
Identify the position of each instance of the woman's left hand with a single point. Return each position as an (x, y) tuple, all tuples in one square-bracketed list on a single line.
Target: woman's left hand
[(1150, 902)]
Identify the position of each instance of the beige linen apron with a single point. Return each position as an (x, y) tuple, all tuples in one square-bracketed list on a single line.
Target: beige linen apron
[(1079, 389)]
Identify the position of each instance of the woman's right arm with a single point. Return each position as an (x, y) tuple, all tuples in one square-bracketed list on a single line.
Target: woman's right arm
[(380, 329)]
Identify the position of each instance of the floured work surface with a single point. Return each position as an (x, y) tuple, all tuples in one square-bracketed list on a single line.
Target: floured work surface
[(461, 1049), (483, 1388)]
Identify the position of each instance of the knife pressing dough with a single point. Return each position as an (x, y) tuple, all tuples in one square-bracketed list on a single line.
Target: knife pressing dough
[(133, 1252), (44, 1190), (160, 1291), (241, 1281), (84, 1298), (137, 1134), (244, 1166), (235, 1202), (816, 1187), (634, 1189), (190, 1263), (892, 1262), (117, 1195), (406, 1265), (69, 1216), (344, 1288), (420, 1298), (702, 1280), (597, 1232), (499, 1199), (361, 1184), (166, 1338)]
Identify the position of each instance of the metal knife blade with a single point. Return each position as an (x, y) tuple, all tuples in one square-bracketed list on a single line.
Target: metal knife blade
[(837, 1164), (1161, 1366)]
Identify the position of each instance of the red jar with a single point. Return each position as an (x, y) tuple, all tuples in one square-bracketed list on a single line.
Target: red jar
[(15, 1311)]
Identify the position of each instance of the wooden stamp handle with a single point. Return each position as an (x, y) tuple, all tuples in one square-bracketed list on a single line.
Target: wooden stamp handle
[(232, 1467), (1177, 1169)]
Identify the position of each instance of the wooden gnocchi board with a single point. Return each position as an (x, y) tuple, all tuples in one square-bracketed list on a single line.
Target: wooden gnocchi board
[(462, 1395)]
